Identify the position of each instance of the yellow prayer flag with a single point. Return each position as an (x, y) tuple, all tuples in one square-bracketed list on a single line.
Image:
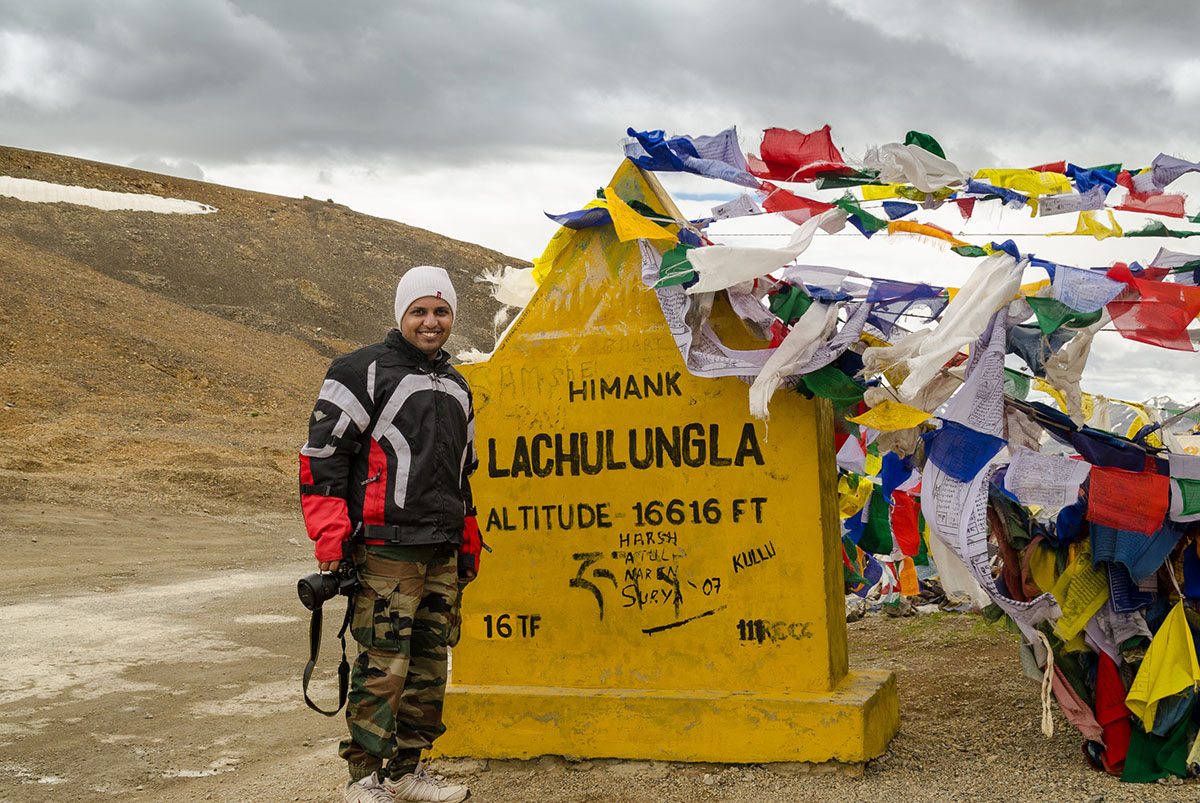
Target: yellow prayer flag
[(1090, 224), (1042, 563), (875, 192), (872, 340), (1053, 392), (1081, 591), (1030, 182), (1170, 666), (629, 224), (852, 500), (1141, 419), (1032, 288), (873, 464), (889, 416)]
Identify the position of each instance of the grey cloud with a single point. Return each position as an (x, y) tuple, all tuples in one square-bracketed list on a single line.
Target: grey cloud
[(180, 168), (223, 81)]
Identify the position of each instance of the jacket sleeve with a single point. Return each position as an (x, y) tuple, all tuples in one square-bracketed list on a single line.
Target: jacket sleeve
[(339, 418), (470, 458)]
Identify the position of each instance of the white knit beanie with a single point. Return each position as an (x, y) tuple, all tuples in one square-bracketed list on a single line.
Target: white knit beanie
[(421, 281)]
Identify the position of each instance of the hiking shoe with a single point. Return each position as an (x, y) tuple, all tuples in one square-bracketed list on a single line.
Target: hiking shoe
[(368, 790), (423, 787)]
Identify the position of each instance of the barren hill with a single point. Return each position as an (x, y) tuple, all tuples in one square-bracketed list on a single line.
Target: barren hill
[(173, 358)]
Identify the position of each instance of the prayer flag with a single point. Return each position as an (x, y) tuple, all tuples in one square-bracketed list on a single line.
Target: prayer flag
[(1089, 224), (960, 451), (717, 156), (889, 416), (1185, 500), (791, 206), (1169, 667), (905, 510), (1052, 315), (923, 229), (898, 209), (1081, 591), (1111, 713), (924, 141), (1154, 312), (794, 156), (1031, 182), (910, 586), (1128, 500), (1157, 203), (1084, 290), (629, 224), (1165, 169)]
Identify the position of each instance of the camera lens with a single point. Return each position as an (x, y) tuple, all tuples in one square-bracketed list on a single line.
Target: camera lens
[(314, 589)]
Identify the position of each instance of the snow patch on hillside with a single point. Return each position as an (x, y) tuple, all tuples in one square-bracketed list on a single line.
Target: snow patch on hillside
[(43, 192)]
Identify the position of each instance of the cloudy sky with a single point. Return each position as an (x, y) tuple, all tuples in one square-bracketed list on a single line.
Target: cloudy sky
[(473, 118)]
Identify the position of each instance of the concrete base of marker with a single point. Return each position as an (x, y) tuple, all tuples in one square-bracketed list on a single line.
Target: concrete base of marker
[(853, 723)]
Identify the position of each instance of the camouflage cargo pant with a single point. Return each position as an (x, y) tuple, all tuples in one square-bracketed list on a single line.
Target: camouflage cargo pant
[(402, 620)]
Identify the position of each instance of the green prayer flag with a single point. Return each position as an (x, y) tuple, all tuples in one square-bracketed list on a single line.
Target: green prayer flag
[(645, 211), (922, 556), (850, 576), (877, 534), (924, 141), (1016, 384), (969, 251), (1152, 757), (1052, 315), (790, 303), (1189, 495), (849, 204), (1156, 228), (835, 181), (1115, 167), (833, 384), (675, 268)]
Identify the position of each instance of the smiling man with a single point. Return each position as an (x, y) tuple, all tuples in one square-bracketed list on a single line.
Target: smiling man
[(383, 481)]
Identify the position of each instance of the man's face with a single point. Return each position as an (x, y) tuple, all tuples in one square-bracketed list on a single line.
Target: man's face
[(426, 324)]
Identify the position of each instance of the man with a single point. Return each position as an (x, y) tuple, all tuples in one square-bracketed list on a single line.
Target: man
[(383, 481)]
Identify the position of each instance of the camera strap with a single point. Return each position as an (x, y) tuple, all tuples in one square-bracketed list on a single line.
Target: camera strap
[(314, 649)]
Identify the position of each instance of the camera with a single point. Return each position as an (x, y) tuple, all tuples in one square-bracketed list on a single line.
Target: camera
[(318, 587)]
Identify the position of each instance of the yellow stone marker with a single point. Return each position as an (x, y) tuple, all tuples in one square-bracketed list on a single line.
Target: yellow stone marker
[(666, 581)]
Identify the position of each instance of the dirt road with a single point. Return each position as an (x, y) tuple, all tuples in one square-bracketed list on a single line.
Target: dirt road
[(155, 655)]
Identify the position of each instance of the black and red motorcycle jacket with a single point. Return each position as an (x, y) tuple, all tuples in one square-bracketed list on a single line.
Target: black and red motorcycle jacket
[(391, 445)]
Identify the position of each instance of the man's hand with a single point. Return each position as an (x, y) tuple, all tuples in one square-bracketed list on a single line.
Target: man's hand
[(468, 553), (328, 565)]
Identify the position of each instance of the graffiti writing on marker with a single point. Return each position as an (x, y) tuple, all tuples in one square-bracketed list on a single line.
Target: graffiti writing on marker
[(530, 622), (587, 559), (761, 630), (753, 557), (651, 577), (712, 585)]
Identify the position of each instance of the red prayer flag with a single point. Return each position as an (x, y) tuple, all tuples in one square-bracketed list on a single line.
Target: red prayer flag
[(905, 508), (1154, 312), (1111, 714), (794, 156), (966, 206), (793, 207), (1156, 203), (1128, 500), (1051, 167)]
